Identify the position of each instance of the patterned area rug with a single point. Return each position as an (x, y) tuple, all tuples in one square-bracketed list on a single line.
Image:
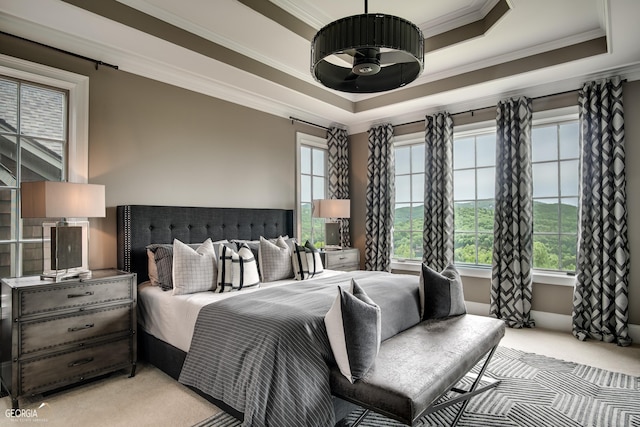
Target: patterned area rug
[(536, 391)]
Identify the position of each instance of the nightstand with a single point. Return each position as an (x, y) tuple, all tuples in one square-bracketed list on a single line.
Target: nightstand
[(59, 334), (347, 259)]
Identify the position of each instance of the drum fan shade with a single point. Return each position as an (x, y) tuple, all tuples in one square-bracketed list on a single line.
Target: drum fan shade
[(367, 53)]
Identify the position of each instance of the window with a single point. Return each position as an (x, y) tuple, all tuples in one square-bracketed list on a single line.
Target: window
[(312, 184), (555, 168), (43, 136), (555, 163), (474, 171), (33, 140), (409, 199)]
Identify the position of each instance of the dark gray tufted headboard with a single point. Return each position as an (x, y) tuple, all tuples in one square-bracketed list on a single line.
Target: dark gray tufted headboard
[(139, 226)]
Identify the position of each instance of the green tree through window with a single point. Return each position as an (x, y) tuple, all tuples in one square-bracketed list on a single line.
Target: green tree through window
[(312, 180), (555, 164)]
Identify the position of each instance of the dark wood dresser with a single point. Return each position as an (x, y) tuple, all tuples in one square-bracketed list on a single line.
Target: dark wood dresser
[(58, 334)]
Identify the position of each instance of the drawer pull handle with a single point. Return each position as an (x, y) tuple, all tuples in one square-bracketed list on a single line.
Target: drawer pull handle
[(343, 257), (79, 328), (80, 362), (86, 294)]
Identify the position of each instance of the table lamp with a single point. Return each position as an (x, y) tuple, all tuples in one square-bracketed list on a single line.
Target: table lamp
[(332, 209), (64, 242)]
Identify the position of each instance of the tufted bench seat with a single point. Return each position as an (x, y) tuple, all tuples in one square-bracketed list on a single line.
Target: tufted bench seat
[(418, 366)]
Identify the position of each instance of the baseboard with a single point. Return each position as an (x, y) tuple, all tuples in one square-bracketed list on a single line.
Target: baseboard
[(543, 319)]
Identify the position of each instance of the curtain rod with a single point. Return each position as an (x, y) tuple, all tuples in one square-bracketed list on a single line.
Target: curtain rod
[(491, 106), (66, 52), (293, 119), (454, 114)]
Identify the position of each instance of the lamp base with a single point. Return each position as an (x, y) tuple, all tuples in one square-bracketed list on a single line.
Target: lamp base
[(64, 251), (332, 234), (62, 275)]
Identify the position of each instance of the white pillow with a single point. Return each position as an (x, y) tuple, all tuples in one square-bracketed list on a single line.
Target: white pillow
[(306, 261), (354, 329), (274, 260), (237, 270), (193, 270)]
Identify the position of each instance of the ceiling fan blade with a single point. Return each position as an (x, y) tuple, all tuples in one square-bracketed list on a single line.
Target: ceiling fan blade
[(345, 57), (351, 76), (395, 57), (350, 52)]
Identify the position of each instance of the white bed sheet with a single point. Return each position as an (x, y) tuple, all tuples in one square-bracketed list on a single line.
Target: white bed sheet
[(172, 318)]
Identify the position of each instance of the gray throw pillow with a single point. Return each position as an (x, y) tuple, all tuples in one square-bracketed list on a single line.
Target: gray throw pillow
[(441, 294), (161, 255), (274, 260), (163, 258), (193, 269), (354, 329)]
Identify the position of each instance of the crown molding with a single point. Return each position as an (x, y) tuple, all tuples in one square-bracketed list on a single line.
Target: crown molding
[(192, 27)]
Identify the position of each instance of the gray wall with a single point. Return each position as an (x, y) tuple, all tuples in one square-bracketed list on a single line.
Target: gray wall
[(152, 143)]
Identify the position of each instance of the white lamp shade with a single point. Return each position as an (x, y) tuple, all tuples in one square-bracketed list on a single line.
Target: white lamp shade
[(332, 208), (53, 199)]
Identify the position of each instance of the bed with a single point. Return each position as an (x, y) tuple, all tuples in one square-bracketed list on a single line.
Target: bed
[(140, 225), (205, 340)]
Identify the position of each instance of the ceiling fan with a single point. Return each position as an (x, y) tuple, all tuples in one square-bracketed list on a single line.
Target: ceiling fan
[(367, 53)]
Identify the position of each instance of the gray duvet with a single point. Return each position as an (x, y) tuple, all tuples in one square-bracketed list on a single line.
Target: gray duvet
[(267, 354)]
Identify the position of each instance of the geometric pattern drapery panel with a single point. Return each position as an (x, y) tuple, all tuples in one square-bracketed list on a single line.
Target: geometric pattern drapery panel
[(511, 286), (600, 301), (338, 174), (379, 199), (437, 234)]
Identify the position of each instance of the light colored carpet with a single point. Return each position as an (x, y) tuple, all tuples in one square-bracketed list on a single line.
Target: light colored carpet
[(152, 398), (535, 390)]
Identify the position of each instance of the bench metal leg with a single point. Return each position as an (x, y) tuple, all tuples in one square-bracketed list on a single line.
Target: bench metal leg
[(360, 418), (465, 395)]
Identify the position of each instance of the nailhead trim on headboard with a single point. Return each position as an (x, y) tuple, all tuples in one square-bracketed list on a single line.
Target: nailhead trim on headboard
[(141, 225)]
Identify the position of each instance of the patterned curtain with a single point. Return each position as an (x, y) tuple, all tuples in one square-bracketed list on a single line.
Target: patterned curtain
[(380, 199), (600, 299), (513, 224), (437, 235), (338, 172)]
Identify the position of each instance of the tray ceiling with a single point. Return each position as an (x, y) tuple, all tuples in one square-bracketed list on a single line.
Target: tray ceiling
[(257, 52)]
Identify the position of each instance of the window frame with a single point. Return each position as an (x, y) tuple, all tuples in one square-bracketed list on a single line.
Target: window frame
[(314, 142), (484, 272), (76, 168), (559, 117), (479, 130), (408, 140)]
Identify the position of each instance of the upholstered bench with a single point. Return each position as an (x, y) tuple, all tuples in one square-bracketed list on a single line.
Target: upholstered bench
[(418, 366)]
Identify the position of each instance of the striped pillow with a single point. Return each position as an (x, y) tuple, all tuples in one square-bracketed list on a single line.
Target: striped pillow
[(160, 263), (237, 269), (306, 261)]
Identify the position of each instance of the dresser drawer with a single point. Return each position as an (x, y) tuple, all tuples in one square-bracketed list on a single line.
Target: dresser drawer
[(70, 367), (342, 260), (44, 299), (38, 335)]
